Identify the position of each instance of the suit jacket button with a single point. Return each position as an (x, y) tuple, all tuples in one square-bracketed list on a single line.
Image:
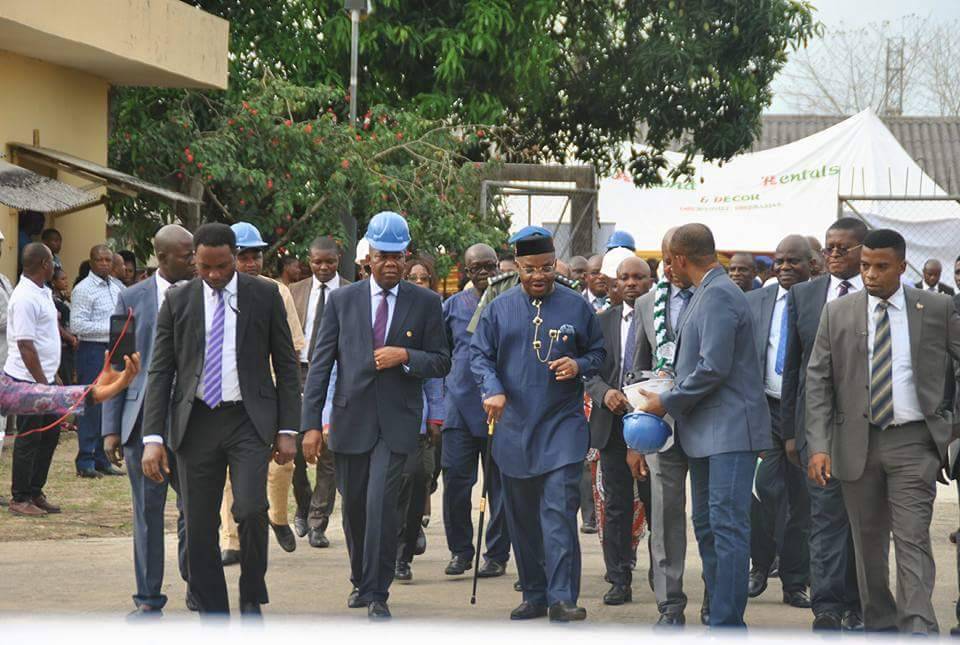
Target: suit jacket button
[(864, 415)]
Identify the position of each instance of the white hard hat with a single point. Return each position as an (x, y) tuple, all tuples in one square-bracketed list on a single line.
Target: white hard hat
[(363, 250), (612, 260)]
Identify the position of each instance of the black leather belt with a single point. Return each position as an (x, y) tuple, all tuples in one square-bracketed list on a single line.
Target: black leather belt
[(221, 405)]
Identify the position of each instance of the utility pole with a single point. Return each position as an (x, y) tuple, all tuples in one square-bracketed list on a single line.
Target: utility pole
[(349, 222), (893, 89)]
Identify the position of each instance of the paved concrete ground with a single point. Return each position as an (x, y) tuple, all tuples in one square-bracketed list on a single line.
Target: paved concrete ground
[(95, 576)]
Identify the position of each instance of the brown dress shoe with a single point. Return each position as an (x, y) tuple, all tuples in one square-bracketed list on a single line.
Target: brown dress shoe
[(41, 502), (28, 509)]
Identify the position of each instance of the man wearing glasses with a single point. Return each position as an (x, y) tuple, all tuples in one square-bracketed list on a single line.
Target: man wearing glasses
[(465, 432), (834, 594)]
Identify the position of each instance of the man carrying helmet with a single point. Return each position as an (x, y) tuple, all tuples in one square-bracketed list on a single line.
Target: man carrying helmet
[(250, 247), (386, 337)]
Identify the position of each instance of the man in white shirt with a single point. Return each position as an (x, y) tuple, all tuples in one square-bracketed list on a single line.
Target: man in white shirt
[(932, 270), (780, 485), (33, 355), (878, 424), (315, 503), (93, 301), (596, 292)]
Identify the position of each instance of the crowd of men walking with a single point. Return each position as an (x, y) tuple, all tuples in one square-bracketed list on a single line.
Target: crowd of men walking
[(812, 414)]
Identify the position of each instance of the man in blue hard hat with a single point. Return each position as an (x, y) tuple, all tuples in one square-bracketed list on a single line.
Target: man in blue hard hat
[(534, 391), (621, 239), (386, 337), (250, 246)]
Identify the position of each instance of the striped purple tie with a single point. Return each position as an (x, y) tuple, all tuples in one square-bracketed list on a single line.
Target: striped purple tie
[(380, 321), (213, 361)]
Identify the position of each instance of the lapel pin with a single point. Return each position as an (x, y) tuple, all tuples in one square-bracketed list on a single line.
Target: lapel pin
[(920, 306), (409, 334)]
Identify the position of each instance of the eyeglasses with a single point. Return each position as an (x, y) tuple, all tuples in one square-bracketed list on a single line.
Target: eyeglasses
[(839, 251), (489, 267), (544, 270)]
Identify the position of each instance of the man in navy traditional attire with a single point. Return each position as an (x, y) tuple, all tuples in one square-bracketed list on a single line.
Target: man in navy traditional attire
[(532, 348), (465, 432)]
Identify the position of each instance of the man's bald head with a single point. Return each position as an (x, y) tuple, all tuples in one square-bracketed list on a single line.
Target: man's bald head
[(596, 281), (667, 237), (743, 270), (578, 268), (932, 270), (797, 244), (563, 268), (793, 261), (37, 262), (634, 263), (173, 246), (480, 253), (694, 242), (633, 278)]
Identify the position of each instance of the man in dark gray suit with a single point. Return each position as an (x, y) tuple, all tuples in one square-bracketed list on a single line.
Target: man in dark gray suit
[(620, 480), (780, 484), (226, 410), (659, 312), (878, 421), (123, 423), (722, 420), (386, 336), (833, 576)]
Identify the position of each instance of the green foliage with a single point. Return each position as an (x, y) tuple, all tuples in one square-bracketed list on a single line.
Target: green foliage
[(285, 161)]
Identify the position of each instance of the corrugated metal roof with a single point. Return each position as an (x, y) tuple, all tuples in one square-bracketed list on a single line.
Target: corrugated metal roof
[(933, 142), (115, 179), (24, 189)]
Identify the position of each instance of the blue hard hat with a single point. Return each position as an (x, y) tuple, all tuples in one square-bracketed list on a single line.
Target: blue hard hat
[(621, 238), (529, 231), (644, 432), (388, 231), (248, 237)]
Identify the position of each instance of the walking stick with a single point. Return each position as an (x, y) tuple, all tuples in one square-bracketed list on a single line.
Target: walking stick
[(483, 506)]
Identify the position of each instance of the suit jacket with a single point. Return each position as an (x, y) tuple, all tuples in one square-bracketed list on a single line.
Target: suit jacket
[(717, 399), (804, 305), (602, 420), (368, 404), (838, 382), (941, 288), (263, 337), (120, 413), (301, 299), (762, 303)]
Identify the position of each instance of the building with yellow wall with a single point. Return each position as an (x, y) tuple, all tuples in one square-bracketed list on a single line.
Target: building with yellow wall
[(58, 60)]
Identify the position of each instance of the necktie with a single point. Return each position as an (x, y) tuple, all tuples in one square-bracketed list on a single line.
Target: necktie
[(317, 315), (629, 348), (213, 360), (844, 289), (782, 345), (881, 373), (685, 296), (380, 322)]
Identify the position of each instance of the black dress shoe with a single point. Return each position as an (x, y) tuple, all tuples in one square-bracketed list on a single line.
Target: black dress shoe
[(403, 572), (285, 537), (618, 595), (758, 582), (250, 609), (491, 569), (378, 610), (527, 611), (517, 586), (561, 612), (230, 557), (799, 599), (300, 526), (705, 609), (774, 571), (110, 471), (191, 602), (458, 564), (588, 528), (671, 619), (89, 473), (145, 612), (955, 631), (353, 600), (852, 621), (318, 539), (421, 545), (826, 622)]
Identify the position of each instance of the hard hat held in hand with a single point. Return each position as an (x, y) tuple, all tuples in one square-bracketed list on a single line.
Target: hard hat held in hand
[(644, 432), (388, 232)]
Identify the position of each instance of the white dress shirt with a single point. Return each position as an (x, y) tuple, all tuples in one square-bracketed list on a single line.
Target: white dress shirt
[(332, 284), (906, 405), (773, 382), (856, 284), (591, 299), (162, 286), (625, 318), (375, 297), (230, 381)]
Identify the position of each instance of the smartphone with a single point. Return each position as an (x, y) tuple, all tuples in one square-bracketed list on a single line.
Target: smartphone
[(127, 343)]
